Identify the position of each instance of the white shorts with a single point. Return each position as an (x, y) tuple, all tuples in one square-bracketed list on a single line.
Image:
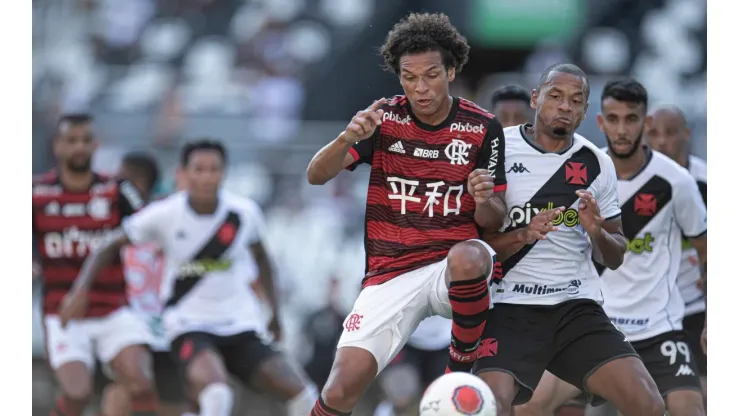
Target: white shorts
[(85, 339), (384, 316)]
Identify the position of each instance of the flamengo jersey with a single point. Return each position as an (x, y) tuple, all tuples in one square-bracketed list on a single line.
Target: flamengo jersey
[(207, 259), (559, 268), (68, 225), (689, 273), (418, 205), (660, 203)]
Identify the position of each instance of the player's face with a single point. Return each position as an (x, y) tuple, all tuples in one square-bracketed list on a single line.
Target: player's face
[(74, 146), (667, 133), (622, 123), (425, 81), (512, 112), (203, 174), (561, 104)]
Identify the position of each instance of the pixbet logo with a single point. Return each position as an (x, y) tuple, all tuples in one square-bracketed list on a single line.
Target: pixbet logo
[(641, 245), (524, 215), (396, 118), (466, 128)]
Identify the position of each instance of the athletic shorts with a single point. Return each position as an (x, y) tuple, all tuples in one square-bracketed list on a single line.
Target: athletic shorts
[(694, 326), (89, 339), (384, 316), (571, 340), (242, 353), (429, 364), (669, 361), (169, 383)]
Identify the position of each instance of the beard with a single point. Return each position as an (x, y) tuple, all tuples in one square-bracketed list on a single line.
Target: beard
[(632, 150), (79, 167)]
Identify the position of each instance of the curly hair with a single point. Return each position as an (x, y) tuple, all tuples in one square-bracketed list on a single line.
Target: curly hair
[(425, 32)]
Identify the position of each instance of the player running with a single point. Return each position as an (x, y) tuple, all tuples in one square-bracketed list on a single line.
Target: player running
[(436, 162), (669, 134), (210, 240), (546, 312), (660, 202), (74, 211), (510, 104)]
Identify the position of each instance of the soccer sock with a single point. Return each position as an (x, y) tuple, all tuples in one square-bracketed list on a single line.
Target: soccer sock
[(301, 404), (321, 409), (216, 400), (65, 407), (470, 301), (145, 405)]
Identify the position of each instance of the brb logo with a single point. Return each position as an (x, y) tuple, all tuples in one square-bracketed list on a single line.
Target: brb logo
[(396, 118), (458, 152), (523, 215)]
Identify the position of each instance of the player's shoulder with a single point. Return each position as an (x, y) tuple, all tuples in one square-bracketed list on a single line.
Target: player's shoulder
[(513, 135), (50, 177), (698, 168), (581, 143), (240, 203), (468, 107), (669, 170), (175, 201)]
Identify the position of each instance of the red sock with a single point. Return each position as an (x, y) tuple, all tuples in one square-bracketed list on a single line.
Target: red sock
[(321, 409), (145, 405), (64, 407), (470, 301)]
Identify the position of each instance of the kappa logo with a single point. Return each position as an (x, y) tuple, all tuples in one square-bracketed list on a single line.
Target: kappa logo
[(684, 370), (426, 153), (467, 128), (397, 147), (645, 205), (517, 168), (575, 173)]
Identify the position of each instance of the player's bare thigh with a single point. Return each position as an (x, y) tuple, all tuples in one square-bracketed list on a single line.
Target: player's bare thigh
[(75, 381), (133, 369), (626, 383), (685, 403), (551, 393), (353, 371), (205, 368), (279, 378)]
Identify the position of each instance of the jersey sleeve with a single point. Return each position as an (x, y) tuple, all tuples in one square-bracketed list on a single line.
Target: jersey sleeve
[(362, 151), (255, 223), (492, 153), (129, 199), (607, 194), (689, 208), (145, 226)]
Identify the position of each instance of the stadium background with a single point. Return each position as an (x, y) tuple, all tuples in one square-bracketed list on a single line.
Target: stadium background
[(277, 79)]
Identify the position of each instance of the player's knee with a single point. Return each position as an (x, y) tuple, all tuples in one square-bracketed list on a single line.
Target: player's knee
[(79, 394), (468, 260), (504, 390), (651, 404), (338, 396), (685, 403)]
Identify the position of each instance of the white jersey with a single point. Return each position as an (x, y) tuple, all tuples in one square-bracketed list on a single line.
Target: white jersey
[(207, 258), (661, 203), (432, 334), (689, 273), (559, 268)]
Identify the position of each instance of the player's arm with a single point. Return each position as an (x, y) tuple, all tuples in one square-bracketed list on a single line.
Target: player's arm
[(350, 148), (506, 244), (609, 243), (490, 192)]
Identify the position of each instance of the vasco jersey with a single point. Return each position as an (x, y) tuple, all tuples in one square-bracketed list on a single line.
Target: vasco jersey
[(660, 203), (559, 268), (689, 273), (207, 258), (418, 205)]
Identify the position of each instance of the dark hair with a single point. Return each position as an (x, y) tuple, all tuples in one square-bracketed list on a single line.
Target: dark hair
[(425, 32), (74, 119), (143, 164), (626, 90), (202, 144), (511, 92), (564, 69)]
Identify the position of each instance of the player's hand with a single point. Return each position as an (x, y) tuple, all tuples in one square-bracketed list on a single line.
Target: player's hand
[(540, 225), (589, 214), (480, 185), (74, 305), (704, 340), (364, 123), (275, 329)]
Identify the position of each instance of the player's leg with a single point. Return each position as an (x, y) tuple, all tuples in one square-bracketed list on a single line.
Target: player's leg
[(115, 400), (550, 394), (170, 386), (401, 382), (668, 358), (515, 350), (198, 358), (71, 357), (469, 267), (694, 325), (122, 343), (593, 355)]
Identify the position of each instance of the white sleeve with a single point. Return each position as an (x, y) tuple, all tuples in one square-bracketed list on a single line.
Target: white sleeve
[(146, 225), (689, 208), (255, 223), (607, 194)]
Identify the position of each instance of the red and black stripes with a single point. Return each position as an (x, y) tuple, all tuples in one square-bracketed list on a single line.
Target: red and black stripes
[(470, 301), (321, 409)]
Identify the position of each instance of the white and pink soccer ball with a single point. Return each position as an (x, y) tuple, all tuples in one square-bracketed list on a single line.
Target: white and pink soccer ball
[(458, 394)]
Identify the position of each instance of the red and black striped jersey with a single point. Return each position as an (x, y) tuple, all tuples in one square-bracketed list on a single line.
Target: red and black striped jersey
[(68, 225), (418, 205)]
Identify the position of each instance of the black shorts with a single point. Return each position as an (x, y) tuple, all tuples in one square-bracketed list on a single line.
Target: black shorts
[(242, 353), (669, 361), (571, 340), (694, 326), (429, 364)]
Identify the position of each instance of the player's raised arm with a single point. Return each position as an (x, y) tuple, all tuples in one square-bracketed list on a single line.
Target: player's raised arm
[(349, 149), (487, 183)]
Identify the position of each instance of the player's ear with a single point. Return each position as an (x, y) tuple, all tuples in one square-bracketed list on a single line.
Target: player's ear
[(600, 121), (533, 100), (585, 111), (451, 74), (648, 122)]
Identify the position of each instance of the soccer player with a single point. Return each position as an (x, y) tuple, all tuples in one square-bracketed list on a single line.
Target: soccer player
[(660, 203), (74, 211), (547, 312), (210, 239), (436, 179), (668, 133), (510, 104)]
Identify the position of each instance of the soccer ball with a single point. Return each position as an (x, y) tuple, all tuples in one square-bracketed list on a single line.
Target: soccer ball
[(457, 394)]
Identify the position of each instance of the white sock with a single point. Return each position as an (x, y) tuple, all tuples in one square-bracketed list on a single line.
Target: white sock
[(302, 404), (189, 414), (384, 409), (216, 400)]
